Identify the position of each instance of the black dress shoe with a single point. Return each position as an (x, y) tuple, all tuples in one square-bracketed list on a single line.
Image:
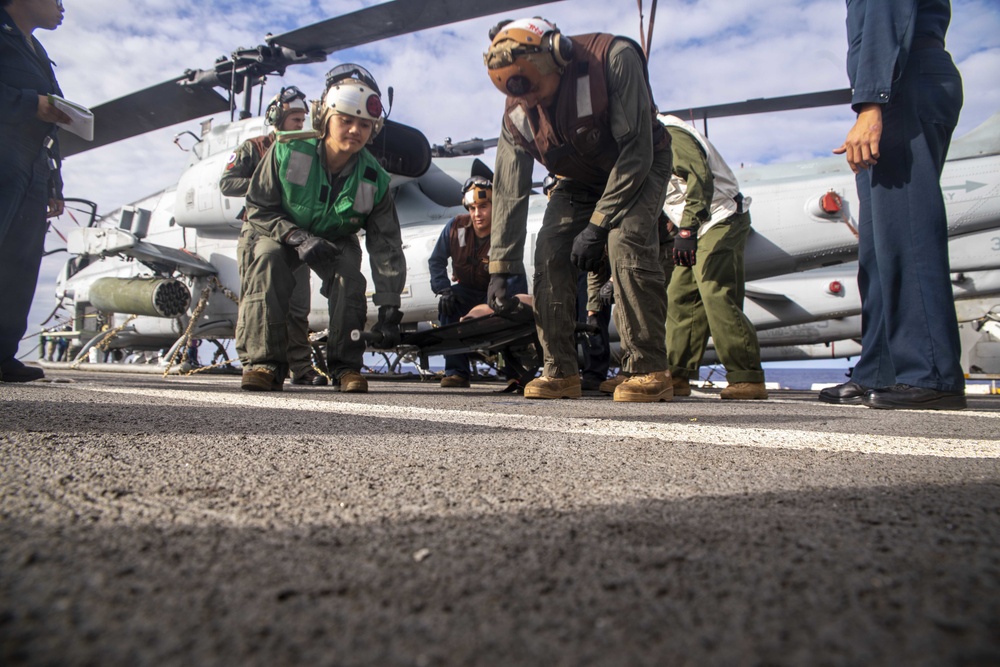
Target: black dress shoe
[(848, 393), (310, 377), (908, 397), (15, 371)]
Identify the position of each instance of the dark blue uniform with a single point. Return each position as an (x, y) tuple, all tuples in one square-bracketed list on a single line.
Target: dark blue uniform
[(26, 180), (897, 59)]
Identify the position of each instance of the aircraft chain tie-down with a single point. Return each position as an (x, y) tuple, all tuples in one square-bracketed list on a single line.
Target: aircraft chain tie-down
[(213, 282), (106, 340)]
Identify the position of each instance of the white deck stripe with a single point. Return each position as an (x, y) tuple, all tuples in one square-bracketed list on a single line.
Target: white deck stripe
[(748, 436)]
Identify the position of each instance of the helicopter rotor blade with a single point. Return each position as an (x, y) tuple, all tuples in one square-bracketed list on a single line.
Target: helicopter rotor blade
[(766, 105), (390, 19), (192, 96), (158, 106)]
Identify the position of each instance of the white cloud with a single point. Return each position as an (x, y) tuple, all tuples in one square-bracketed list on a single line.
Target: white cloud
[(704, 52)]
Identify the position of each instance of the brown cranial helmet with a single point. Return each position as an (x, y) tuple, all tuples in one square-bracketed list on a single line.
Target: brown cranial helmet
[(523, 52)]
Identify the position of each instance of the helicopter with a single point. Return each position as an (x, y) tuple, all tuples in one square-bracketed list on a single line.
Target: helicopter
[(179, 245)]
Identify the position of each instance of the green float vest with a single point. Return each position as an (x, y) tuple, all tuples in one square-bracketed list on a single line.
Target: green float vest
[(305, 190)]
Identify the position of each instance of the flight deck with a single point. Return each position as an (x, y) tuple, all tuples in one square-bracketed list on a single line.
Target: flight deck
[(179, 520)]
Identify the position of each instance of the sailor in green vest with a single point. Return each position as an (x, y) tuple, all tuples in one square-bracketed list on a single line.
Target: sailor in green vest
[(307, 202)]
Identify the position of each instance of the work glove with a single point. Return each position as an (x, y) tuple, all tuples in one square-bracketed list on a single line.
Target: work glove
[(497, 297), (447, 303), (685, 247), (595, 341), (607, 294), (588, 248), (318, 253), (387, 326)]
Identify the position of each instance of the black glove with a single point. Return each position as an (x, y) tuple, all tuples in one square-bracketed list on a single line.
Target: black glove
[(607, 294), (387, 326), (496, 294), (595, 340), (447, 303), (685, 247), (316, 252), (588, 248)]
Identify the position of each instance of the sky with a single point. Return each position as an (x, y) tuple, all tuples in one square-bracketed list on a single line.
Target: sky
[(703, 52)]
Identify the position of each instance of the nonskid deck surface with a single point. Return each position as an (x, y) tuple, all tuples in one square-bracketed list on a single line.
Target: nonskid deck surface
[(150, 519)]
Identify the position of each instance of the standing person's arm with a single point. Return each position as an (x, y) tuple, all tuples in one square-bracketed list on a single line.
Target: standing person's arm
[(879, 34), (630, 111), (235, 180), (511, 189), (691, 166), (265, 211)]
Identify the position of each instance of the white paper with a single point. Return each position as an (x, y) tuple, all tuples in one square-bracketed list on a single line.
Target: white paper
[(81, 118)]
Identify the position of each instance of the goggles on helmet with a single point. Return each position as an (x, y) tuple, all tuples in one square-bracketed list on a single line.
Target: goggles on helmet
[(351, 90), (290, 94), (289, 99), (351, 71), (477, 189)]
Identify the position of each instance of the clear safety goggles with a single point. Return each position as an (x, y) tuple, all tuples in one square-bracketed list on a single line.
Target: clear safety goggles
[(477, 182), (351, 71), (290, 94)]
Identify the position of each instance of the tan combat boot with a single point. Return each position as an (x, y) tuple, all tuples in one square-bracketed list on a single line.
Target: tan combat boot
[(548, 387), (261, 379), (682, 386), (454, 382), (745, 391), (648, 388), (352, 382), (608, 386)]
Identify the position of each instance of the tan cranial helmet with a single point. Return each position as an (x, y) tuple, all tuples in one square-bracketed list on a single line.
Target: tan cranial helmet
[(523, 52), (477, 189), (351, 90)]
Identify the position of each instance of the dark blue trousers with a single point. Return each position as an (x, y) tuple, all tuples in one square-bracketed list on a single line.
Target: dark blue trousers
[(908, 322), (24, 201)]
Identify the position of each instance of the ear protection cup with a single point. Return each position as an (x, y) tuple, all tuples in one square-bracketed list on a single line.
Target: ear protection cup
[(559, 46), (271, 114), (316, 116)]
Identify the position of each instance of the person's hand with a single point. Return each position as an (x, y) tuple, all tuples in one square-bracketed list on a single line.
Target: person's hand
[(496, 294), (447, 303), (686, 247), (861, 145), (607, 294), (49, 113), (56, 207), (387, 326), (314, 251), (588, 248)]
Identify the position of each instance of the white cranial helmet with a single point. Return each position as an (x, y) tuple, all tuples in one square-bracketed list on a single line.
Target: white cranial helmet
[(351, 90)]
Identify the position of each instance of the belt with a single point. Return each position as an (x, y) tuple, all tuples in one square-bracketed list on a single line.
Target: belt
[(921, 43)]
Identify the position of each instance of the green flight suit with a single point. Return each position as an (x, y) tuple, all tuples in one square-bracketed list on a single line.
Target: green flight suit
[(234, 183), (707, 298), (268, 282), (628, 203)]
